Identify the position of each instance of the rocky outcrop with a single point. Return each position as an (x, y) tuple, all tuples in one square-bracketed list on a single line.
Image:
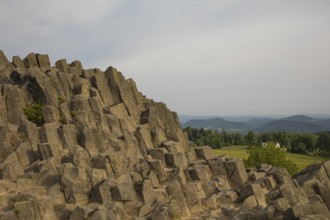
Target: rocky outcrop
[(86, 144)]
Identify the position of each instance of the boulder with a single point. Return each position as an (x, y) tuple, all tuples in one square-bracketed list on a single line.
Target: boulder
[(200, 173), (62, 66), (217, 166), (119, 163), (158, 136), (97, 176), (75, 68), (48, 133), (204, 152), (86, 139), (158, 167), (269, 182), (15, 102), (12, 171), (114, 78), (124, 189), (171, 146), (178, 206), (281, 204), (76, 184), (30, 61), (3, 60), (236, 172), (143, 136), (50, 114), (49, 175), (297, 211), (178, 175), (149, 195), (29, 132), (68, 135), (43, 60), (34, 210), (8, 142), (293, 195), (17, 62), (191, 156), (255, 190), (176, 160), (25, 154), (43, 89), (100, 82), (191, 193), (280, 175), (250, 202), (49, 150)]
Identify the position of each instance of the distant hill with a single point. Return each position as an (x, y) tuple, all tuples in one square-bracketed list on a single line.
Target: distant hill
[(186, 118), (292, 125), (214, 123), (325, 123), (296, 123), (239, 118), (299, 118)]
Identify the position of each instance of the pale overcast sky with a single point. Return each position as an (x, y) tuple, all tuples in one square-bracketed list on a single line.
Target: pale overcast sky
[(201, 57)]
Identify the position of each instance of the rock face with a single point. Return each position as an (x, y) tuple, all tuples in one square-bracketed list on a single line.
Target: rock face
[(86, 144)]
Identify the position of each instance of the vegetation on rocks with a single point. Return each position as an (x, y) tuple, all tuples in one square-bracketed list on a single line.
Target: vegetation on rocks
[(34, 113)]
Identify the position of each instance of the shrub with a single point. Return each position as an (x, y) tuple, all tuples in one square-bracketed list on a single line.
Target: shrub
[(34, 114), (270, 155)]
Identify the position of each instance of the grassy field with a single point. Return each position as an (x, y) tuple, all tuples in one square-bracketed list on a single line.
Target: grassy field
[(301, 160)]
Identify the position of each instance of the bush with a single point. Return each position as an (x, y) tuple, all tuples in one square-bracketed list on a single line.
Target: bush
[(34, 114), (270, 155)]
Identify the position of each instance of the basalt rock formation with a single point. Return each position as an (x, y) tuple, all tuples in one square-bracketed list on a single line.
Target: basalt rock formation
[(86, 144)]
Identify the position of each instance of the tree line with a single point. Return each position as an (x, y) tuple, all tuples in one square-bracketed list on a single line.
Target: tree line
[(303, 143)]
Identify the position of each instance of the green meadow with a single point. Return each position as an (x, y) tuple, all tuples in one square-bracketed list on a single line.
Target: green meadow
[(301, 160)]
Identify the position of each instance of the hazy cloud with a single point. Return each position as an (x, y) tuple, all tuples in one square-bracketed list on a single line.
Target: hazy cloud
[(200, 57)]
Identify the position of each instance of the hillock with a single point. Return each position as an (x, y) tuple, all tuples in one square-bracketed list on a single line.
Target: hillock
[(81, 143)]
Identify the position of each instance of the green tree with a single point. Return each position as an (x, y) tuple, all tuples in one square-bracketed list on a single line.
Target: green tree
[(251, 138), (323, 141), (270, 155), (282, 138)]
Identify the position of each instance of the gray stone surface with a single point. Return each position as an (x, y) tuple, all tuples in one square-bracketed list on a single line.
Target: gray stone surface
[(176, 160), (178, 205), (18, 62), (25, 154), (3, 59), (204, 152), (100, 82), (62, 66), (43, 60), (236, 172), (124, 190), (255, 190), (30, 61), (217, 166)]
